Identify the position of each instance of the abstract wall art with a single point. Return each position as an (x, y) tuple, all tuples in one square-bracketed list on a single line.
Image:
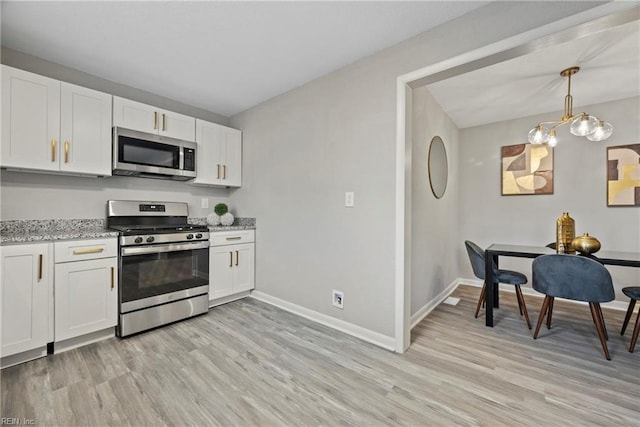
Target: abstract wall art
[(623, 175), (527, 169)]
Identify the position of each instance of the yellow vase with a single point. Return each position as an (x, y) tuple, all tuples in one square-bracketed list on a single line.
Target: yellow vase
[(565, 233)]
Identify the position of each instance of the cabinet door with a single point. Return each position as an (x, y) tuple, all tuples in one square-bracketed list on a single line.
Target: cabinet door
[(232, 143), (209, 156), (135, 115), (86, 297), (243, 267), (176, 125), (221, 271), (85, 130), (24, 297), (30, 120)]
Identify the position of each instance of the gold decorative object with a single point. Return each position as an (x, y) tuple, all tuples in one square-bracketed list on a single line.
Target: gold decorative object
[(586, 244), (565, 233)]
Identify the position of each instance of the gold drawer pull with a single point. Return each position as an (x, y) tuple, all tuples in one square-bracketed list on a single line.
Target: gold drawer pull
[(234, 238), (112, 276), (87, 251), (237, 257), (224, 171), (164, 122), (53, 150), (218, 177), (230, 259), (155, 120), (66, 151), (40, 268)]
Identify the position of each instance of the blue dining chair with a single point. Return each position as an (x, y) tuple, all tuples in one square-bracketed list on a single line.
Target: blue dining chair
[(633, 292), (577, 278), (477, 258)]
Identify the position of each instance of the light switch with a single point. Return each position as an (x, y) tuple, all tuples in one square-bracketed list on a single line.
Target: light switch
[(205, 203), (349, 199)]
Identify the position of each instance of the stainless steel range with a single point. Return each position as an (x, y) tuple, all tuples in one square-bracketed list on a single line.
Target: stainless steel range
[(163, 264)]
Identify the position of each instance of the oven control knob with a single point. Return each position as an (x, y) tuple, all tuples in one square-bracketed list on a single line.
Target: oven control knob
[(189, 236), (150, 239), (199, 236), (138, 240)]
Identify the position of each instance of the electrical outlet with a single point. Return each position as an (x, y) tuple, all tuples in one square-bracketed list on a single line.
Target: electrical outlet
[(337, 299), (349, 200), (204, 203)]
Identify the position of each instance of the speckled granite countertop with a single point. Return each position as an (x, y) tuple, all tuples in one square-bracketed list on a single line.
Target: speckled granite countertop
[(17, 231), (238, 224), (21, 231)]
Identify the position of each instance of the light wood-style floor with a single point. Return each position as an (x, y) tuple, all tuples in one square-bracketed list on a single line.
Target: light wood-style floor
[(250, 364)]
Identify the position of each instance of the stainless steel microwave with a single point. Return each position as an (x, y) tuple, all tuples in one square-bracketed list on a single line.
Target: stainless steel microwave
[(149, 155)]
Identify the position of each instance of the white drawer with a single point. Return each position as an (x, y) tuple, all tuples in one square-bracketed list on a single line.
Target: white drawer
[(80, 250), (220, 238)]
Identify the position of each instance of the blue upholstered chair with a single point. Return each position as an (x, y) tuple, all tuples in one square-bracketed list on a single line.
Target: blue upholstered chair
[(633, 292), (476, 256), (577, 278)]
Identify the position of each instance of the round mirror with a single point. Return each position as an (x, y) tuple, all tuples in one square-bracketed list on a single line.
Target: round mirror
[(438, 169)]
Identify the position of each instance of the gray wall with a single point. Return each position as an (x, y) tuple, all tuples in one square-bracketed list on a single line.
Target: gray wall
[(579, 188), (41, 196), (434, 222), (304, 149)]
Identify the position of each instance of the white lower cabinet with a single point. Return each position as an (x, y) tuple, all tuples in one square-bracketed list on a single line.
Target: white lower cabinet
[(25, 299), (231, 263), (86, 287)]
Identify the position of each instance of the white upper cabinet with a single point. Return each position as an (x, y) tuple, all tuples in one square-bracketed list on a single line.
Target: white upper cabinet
[(85, 130), (49, 125), (30, 120), (219, 157), (146, 118)]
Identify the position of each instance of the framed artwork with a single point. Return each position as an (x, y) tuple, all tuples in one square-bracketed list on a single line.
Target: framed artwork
[(527, 169), (623, 175)]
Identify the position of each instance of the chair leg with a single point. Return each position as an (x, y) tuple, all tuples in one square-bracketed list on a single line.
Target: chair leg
[(632, 304), (543, 312), (522, 305), (604, 326), (596, 314), (483, 296), (634, 336), (550, 312)]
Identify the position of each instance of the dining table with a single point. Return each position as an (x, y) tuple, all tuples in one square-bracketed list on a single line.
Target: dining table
[(496, 250)]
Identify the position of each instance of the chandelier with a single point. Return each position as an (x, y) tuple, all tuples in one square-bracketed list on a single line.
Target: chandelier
[(582, 124)]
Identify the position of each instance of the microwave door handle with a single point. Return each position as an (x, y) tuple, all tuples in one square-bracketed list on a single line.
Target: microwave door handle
[(154, 249), (181, 161)]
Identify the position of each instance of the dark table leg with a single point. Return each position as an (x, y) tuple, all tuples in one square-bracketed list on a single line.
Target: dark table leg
[(491, 299)]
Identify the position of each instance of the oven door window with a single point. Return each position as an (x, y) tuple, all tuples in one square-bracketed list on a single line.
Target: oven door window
[(149, 275), (140, 152)]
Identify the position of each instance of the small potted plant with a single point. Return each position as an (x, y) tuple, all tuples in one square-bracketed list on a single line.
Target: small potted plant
[(220, 215)]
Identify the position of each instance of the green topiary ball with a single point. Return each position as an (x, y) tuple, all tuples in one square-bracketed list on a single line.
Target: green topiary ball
[(220, 209)]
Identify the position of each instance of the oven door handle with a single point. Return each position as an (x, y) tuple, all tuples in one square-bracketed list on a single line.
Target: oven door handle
[(172, 247)]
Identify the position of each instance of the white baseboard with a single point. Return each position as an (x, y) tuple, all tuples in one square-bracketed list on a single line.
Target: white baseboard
[(428, 307), (615, 305), (386, 342)]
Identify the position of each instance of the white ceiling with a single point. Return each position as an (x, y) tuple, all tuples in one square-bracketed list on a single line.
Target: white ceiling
[(609, 64), (224, 57)]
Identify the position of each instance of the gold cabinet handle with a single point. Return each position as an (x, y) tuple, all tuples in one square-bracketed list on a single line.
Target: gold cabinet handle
[(218, 177), (164, 121), (112, 277), (87, 251), (155, 120), (66, 151), (230, 259), (237, 257), (234, 238), (224, 171), (40, 267), (53, 150)]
